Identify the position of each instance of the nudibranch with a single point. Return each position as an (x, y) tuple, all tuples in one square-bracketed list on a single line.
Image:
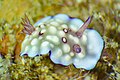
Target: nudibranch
[(67, 40)]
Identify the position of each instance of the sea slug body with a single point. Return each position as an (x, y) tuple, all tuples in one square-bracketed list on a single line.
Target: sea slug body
[(67, 41)]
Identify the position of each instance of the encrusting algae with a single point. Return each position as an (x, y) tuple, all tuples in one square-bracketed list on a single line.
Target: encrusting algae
[(106, 22)]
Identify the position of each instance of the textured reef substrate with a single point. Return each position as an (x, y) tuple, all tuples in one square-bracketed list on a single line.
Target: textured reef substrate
[(106, 22)]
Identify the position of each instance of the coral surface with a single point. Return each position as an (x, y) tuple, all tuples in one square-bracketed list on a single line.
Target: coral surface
[(106, 20)]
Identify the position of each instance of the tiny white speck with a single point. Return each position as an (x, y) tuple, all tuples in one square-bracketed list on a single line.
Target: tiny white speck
[(64, 40), (65, 30)]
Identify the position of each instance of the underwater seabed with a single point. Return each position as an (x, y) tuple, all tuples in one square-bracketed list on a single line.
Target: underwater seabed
[(106, 19)]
